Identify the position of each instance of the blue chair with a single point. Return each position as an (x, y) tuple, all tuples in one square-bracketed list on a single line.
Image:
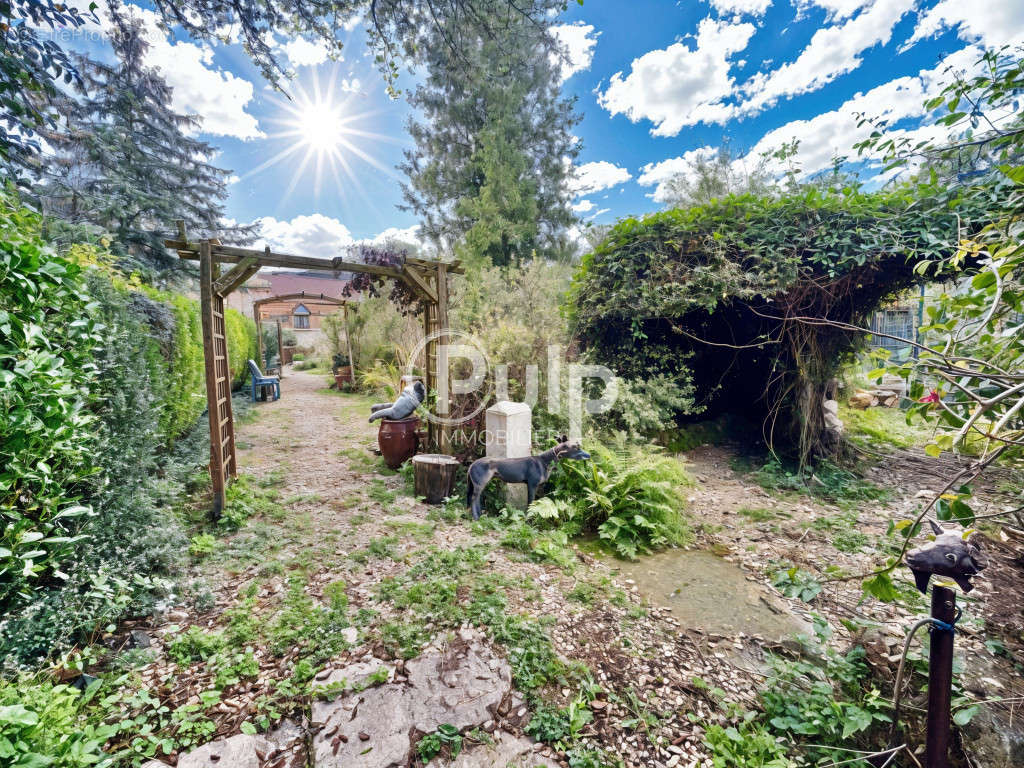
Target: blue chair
[(259, 381)]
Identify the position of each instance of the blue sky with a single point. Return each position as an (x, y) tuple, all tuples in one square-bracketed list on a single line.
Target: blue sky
[(658, 84)]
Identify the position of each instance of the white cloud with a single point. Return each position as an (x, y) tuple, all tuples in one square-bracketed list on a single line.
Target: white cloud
[(994, 22), (835, 132), (325, 237), (349, 85), (836, 9), (749, 7), (578, 40), (314, 235), (679, 86), (219, 97), (408, 236), (659, 174), (594, 177), (583, 206), (305, 53), (832, 51)]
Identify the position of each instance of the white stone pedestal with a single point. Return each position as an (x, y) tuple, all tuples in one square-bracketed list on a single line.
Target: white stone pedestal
[(509, 436)]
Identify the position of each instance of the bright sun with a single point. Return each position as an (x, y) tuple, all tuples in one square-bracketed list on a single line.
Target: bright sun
[(322, 124)]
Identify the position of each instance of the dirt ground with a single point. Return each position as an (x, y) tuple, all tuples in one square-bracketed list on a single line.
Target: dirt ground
[(347, 520)]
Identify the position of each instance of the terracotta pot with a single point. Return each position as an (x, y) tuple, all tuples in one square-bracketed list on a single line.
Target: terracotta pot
[(398, 440)]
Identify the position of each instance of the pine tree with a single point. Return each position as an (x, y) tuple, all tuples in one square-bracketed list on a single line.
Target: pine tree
[(125, 161), (488, 174)]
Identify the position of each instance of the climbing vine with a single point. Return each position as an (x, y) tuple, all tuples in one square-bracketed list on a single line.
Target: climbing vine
[(721, 292)]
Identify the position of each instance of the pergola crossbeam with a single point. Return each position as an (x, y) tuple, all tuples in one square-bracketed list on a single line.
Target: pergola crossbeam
[(236, 276)]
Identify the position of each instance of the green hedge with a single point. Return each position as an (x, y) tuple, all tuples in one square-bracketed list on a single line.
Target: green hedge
[(99, 377), (185, 396)]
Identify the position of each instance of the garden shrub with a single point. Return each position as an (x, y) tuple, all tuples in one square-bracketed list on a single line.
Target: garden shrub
[(47, 430), (649, 407), (632, 501), (100, 375), (42, 724), (714, 292)]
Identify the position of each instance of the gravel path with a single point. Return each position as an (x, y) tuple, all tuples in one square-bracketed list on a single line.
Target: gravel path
[(342, 518)]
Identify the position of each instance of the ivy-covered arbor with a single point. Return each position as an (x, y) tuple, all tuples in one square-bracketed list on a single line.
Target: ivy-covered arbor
[(739, 297), (424, 285)]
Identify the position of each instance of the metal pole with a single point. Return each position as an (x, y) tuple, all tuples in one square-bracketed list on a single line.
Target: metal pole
[(940, 678)]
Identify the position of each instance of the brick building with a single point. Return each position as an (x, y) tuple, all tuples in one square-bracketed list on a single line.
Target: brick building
[(302, 315)]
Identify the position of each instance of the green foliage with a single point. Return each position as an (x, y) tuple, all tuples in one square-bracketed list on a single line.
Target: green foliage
[(825, 480), (202, 544), (195, 644), (48, 331), (125, 162), (448, 588), (794, 582), (648, 407), (560, 726), (33, 69), (632, 501), (44, 724), (99, 391), (242, 344), (972, 335), (489, 168), (833, 705), (445, 739), (883, 428), (312, 628), (705, 293), (747, 744), (379, 331), (814, 711)]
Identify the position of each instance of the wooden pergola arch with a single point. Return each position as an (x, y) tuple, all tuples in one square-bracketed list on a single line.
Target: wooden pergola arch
[(311, 298), (427, 278)]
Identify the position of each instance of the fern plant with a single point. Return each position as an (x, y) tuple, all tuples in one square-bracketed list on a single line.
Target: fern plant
[(632, 501)]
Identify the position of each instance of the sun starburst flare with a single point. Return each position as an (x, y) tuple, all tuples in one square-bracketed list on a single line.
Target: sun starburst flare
[(321, 129)]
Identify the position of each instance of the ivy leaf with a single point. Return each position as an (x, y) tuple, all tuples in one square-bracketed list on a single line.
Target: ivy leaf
[(881, 587), (963, 716)]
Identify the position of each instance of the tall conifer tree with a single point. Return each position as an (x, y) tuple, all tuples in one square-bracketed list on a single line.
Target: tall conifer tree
[(489, 171), (127, 163)]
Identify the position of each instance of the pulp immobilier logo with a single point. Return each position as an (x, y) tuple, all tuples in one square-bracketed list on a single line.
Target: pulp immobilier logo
[(565, 381)]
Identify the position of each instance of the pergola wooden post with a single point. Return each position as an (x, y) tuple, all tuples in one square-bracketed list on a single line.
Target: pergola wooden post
[(427, 278)]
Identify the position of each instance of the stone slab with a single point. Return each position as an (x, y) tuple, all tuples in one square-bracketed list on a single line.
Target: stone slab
[(508, 751), (239, 751)]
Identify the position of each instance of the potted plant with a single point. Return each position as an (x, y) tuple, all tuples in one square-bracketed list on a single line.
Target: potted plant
[(342, 370)]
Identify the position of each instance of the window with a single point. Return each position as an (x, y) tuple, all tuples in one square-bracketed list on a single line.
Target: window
[(300, 317), (894, 322)]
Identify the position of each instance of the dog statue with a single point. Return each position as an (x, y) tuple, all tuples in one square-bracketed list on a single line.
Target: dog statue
[(406, 404), (532, 470), (949, 555)]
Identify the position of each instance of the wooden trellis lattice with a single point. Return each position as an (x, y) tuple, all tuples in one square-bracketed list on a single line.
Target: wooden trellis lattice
[(427, 278)]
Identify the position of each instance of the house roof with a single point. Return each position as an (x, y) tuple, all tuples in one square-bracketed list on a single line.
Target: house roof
[(328, 283)]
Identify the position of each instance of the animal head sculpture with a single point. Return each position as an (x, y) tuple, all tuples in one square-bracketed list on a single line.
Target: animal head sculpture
[(567, 450), (950, 554)]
